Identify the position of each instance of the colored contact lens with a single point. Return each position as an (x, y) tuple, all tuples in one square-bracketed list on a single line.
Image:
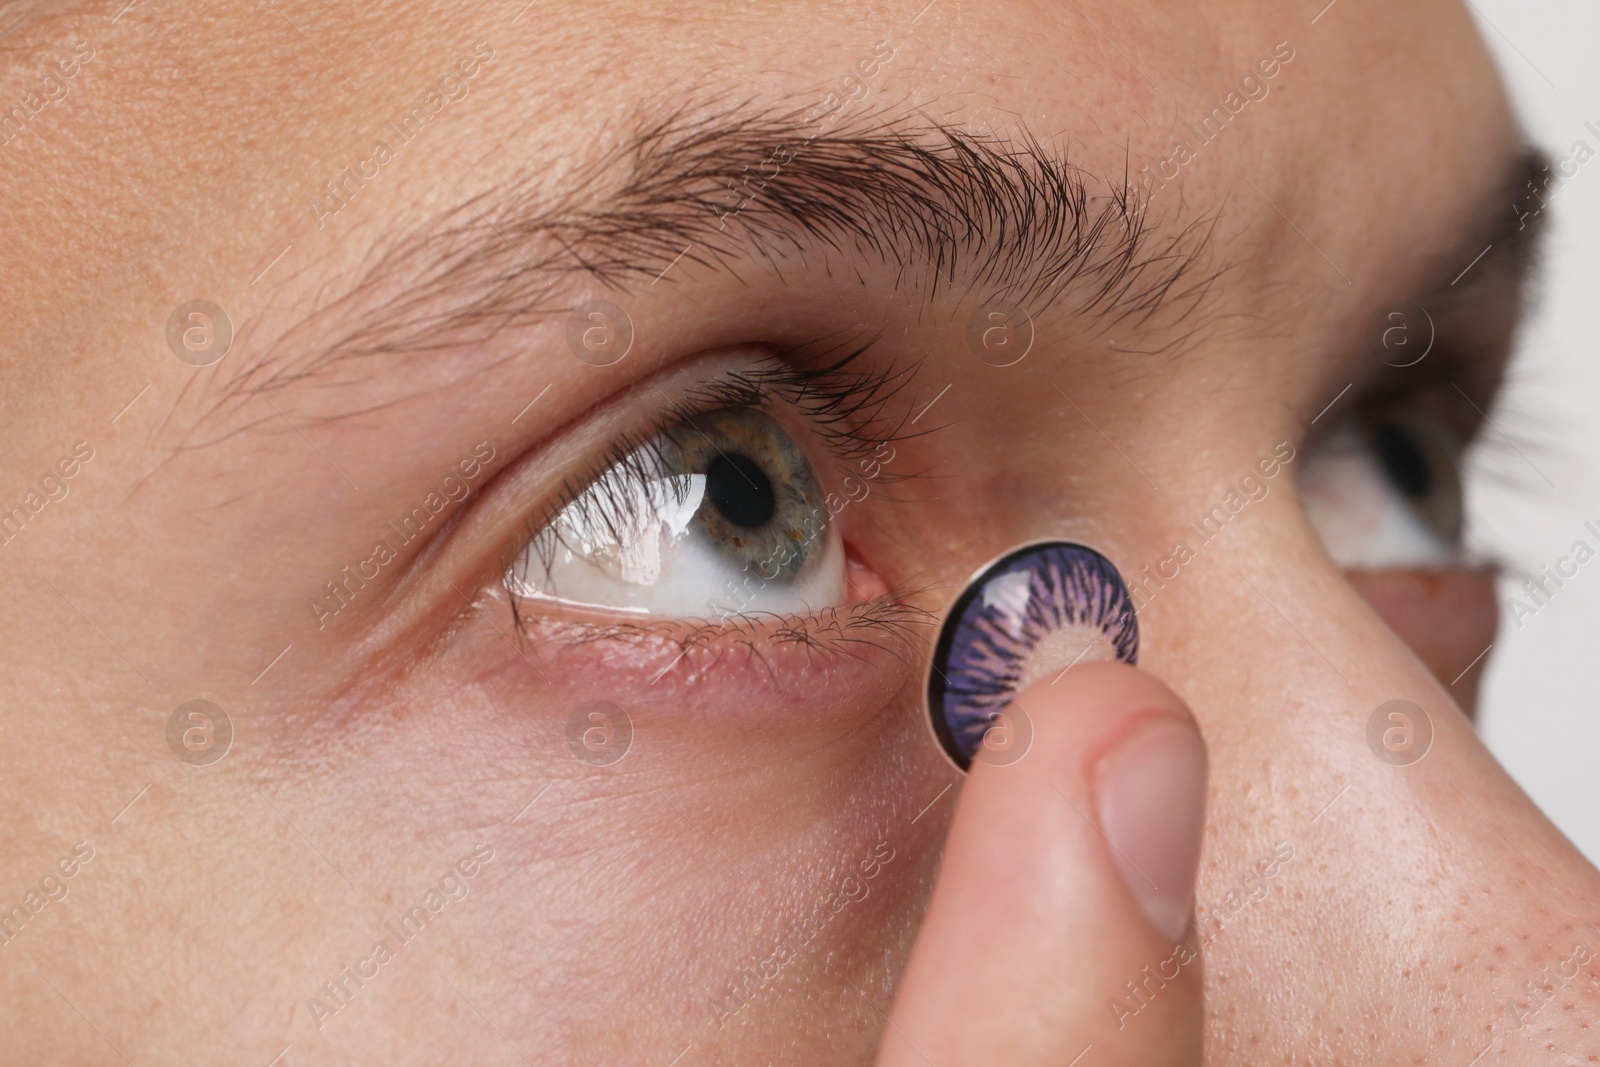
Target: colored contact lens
[(1025, 618)]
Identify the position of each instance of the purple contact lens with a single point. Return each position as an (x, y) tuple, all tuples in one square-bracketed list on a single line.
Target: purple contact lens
[(1025, 618)]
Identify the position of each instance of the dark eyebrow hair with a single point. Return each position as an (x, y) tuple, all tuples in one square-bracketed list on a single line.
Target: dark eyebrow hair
[(1499, 241), (942, 206), (1509, 223)]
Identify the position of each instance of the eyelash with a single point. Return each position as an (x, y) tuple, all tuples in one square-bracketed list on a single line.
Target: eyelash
[(850, 409), (1495, 450), (1498, 453)]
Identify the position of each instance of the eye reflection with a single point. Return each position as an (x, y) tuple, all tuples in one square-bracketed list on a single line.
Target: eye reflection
[(719, 498)]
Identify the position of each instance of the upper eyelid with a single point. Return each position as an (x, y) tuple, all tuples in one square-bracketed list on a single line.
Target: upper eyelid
[(853, 408), (848, 409)]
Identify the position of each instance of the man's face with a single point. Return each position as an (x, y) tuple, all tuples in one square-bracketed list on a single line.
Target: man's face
[(1101, 272)]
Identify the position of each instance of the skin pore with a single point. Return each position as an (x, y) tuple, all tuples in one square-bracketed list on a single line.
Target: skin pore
[(404, 345)]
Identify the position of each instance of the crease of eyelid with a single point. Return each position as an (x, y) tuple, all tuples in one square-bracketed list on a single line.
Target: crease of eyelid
[(1013, 217)]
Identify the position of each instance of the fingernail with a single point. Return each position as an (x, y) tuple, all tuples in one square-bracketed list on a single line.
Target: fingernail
[(1152, 798)]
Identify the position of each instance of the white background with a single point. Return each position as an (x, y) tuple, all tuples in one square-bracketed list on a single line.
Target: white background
[(1541, 713)]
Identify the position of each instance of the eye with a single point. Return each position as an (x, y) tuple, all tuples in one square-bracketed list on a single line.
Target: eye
[(719, 514), (1383, 490)]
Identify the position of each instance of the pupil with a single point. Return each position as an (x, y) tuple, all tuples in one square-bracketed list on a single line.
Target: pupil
[(741, 490), (1403, 461)]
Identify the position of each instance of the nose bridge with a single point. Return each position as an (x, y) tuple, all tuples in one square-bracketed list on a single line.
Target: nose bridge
[(1292, 676), (1352, 809)]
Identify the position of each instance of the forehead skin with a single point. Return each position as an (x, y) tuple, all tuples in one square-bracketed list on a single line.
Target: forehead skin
[(180, 165), (204, 147)]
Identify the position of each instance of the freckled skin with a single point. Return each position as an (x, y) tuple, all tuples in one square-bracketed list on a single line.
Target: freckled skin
[(625, 899)]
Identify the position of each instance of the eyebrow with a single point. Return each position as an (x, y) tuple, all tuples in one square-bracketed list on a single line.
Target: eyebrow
[(1500, 238), (939, 205), (1504, 230)]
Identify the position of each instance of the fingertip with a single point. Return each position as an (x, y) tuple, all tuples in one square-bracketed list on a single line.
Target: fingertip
[(1150, 793), (1119, 744), (1069, 871)]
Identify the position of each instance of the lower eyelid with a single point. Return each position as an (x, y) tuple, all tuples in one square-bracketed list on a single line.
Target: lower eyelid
[(743, 700), (766, 651)]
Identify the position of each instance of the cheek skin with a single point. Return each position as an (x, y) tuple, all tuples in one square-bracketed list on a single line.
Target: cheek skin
[(638, 891), (760, 775), (747, 797), (1448, 618)]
